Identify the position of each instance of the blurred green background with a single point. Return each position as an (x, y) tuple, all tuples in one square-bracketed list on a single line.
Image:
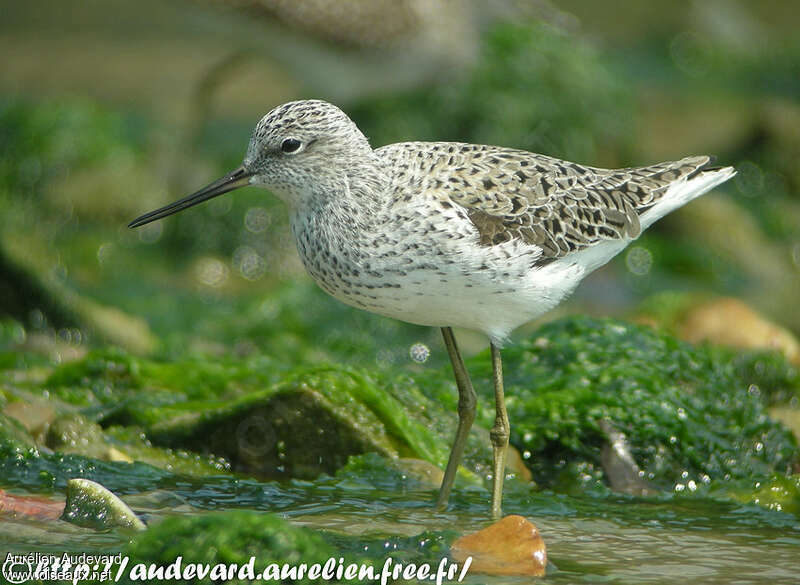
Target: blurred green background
[(109, 109)]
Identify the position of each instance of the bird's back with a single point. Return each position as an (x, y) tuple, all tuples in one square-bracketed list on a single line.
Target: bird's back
[(558, 206)]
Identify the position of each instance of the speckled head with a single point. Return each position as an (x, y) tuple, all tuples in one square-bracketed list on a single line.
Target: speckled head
[(301, 151), (299, 148)]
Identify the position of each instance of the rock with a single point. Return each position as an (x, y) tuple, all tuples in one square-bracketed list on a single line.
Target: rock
[(511, 546), (789, 416), (728, 321), (482, 455), (298, 428), (34, 414), (73, 433), (30, 506), (720, 224), (14, 437), (515, 465), (91, 505), (27, 280), (619, 466)]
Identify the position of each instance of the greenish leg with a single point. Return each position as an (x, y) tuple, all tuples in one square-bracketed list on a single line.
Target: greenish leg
[(467, 401), (499, 434)]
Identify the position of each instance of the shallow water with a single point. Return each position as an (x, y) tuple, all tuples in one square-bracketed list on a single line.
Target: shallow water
[(589, 539)]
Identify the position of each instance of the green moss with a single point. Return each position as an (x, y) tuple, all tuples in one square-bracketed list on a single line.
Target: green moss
[(228, 538), (690, 413)]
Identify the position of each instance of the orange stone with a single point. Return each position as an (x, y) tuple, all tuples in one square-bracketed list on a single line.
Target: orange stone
[(729, 321), (511, 546)]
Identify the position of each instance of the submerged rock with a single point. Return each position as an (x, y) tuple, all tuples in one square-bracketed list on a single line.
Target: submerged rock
[(511, 546)]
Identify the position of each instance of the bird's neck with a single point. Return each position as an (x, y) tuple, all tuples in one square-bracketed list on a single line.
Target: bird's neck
[(349, 197), (344, 210)]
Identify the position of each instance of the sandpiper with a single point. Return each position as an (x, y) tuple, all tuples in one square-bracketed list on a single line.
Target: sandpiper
[(449, 234)]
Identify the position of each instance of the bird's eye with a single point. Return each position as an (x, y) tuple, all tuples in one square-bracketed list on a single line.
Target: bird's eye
[(290, 145)]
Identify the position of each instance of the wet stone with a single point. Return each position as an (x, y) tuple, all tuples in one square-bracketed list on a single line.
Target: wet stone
[(511, 546), (91, 505)]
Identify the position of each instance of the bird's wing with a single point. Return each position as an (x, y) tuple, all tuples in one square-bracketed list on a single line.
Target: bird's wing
[(559, 206)]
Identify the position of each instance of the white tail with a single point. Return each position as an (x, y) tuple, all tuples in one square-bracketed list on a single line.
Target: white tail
[(683, 191)]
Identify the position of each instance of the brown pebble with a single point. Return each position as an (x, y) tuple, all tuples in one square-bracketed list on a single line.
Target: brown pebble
[(511, 546), (731, 322)]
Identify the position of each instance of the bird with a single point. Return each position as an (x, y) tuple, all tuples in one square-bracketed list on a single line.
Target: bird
[(449, 234)]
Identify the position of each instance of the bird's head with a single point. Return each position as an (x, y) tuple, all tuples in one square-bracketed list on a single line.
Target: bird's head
[(299, 150)]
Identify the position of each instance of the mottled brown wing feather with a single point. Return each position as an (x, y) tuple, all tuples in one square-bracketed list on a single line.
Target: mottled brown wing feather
[(560, 206)]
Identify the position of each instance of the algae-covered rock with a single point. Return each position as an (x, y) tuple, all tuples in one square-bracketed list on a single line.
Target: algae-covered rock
[(221, 539), (72, 433), (300, 428), (307, 423), (689, 413), (91, 505)]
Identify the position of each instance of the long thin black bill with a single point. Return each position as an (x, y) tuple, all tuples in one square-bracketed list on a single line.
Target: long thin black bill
[(231, 181)]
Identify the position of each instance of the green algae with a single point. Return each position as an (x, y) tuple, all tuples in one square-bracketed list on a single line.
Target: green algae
[(690, 413), (236, 537), (226, 538)]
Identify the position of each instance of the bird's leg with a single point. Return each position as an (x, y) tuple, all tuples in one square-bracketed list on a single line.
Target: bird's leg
[(467, 401), (499, 434)]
